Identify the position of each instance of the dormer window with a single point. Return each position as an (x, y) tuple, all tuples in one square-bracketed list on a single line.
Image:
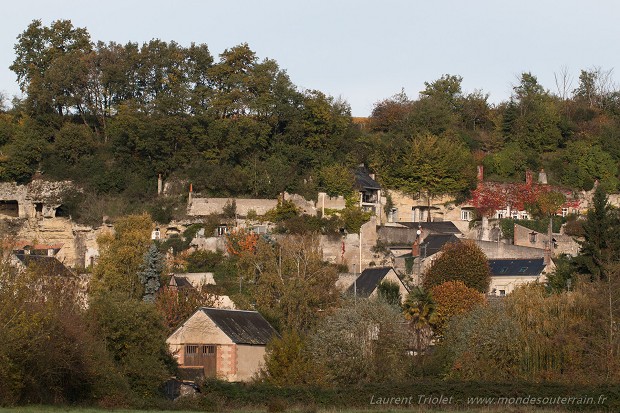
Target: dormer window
[(522, 270)]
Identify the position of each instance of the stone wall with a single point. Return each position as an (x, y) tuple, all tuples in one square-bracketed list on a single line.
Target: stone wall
[(501, 250), (346, 249)]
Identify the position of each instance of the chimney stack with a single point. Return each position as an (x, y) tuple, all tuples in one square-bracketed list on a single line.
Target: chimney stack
[(547, 256), (542, 177), (160, 185), (415, 248), (480, 173)]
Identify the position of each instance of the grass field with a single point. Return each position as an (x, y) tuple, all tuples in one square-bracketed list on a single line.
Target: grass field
[(505, 409)]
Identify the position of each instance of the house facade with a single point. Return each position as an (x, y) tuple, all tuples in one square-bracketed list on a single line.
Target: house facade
[(222, 343), (508, 274)]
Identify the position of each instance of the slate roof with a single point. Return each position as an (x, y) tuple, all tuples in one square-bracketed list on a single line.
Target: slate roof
[(437, 227), (179, 282), (364, 181), (49, 265), (512, 267), (435, 242), (368, 281), (242, 327)]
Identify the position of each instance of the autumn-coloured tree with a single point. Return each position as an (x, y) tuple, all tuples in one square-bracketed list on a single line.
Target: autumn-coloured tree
[(177, 304), (460, 261), (454, 298), (240, 241)]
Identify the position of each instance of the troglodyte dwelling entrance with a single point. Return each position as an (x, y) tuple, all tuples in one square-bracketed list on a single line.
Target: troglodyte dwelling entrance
[(9, 208)]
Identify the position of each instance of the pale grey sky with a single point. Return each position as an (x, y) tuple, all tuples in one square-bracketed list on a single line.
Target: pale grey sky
[(363, 51)]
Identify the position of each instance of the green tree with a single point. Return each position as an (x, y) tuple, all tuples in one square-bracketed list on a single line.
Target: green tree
[(289, 362), (460, 261), (290, 282), (581, 164), (122, 256), (390, 292), (49, 65), (73, 142), (150, 273), (336, 180), (536, 121), (135, 335), (432, 165), (420, 311), (600, 244)]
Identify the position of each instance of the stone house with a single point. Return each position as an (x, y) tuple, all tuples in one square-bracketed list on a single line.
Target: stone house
[(366, 285), (560, 243), (507, 274), (227, 344)]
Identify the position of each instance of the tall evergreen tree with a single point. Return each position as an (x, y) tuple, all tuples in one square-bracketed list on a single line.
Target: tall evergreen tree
[(602, 234), (150, 273)]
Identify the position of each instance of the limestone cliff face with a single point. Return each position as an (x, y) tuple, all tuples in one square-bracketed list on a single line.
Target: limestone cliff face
[(39, 198), (32, 212), (79, 243)]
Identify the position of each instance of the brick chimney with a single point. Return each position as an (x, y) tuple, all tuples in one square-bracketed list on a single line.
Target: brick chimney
[(480, 173), (415, 248), (528, 177)]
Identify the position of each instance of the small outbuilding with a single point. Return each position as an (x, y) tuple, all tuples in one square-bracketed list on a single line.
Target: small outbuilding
[(222, 343), (367, 284)]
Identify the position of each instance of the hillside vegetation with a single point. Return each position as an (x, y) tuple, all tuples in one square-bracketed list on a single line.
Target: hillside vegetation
[(112, 117)]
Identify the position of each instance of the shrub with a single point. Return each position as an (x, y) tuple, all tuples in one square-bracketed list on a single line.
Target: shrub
[(460, 261)]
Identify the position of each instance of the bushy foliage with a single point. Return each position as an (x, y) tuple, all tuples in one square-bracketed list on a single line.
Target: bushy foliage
[(203, 261), (134, 334), (390, 292), (289, 362), (460, 261), (122, 254), (454, 298), (362, 342), (291, 284)]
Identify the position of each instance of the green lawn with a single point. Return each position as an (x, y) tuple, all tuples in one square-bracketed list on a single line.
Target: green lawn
[(505, 409)]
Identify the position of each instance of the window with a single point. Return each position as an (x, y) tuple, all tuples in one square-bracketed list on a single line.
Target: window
[(500, 215), (502, 293), (522, 270), (564, 212), (208, 349), (533, 237), (466, 215), (191, 349), (524, 215), (515, 215)]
